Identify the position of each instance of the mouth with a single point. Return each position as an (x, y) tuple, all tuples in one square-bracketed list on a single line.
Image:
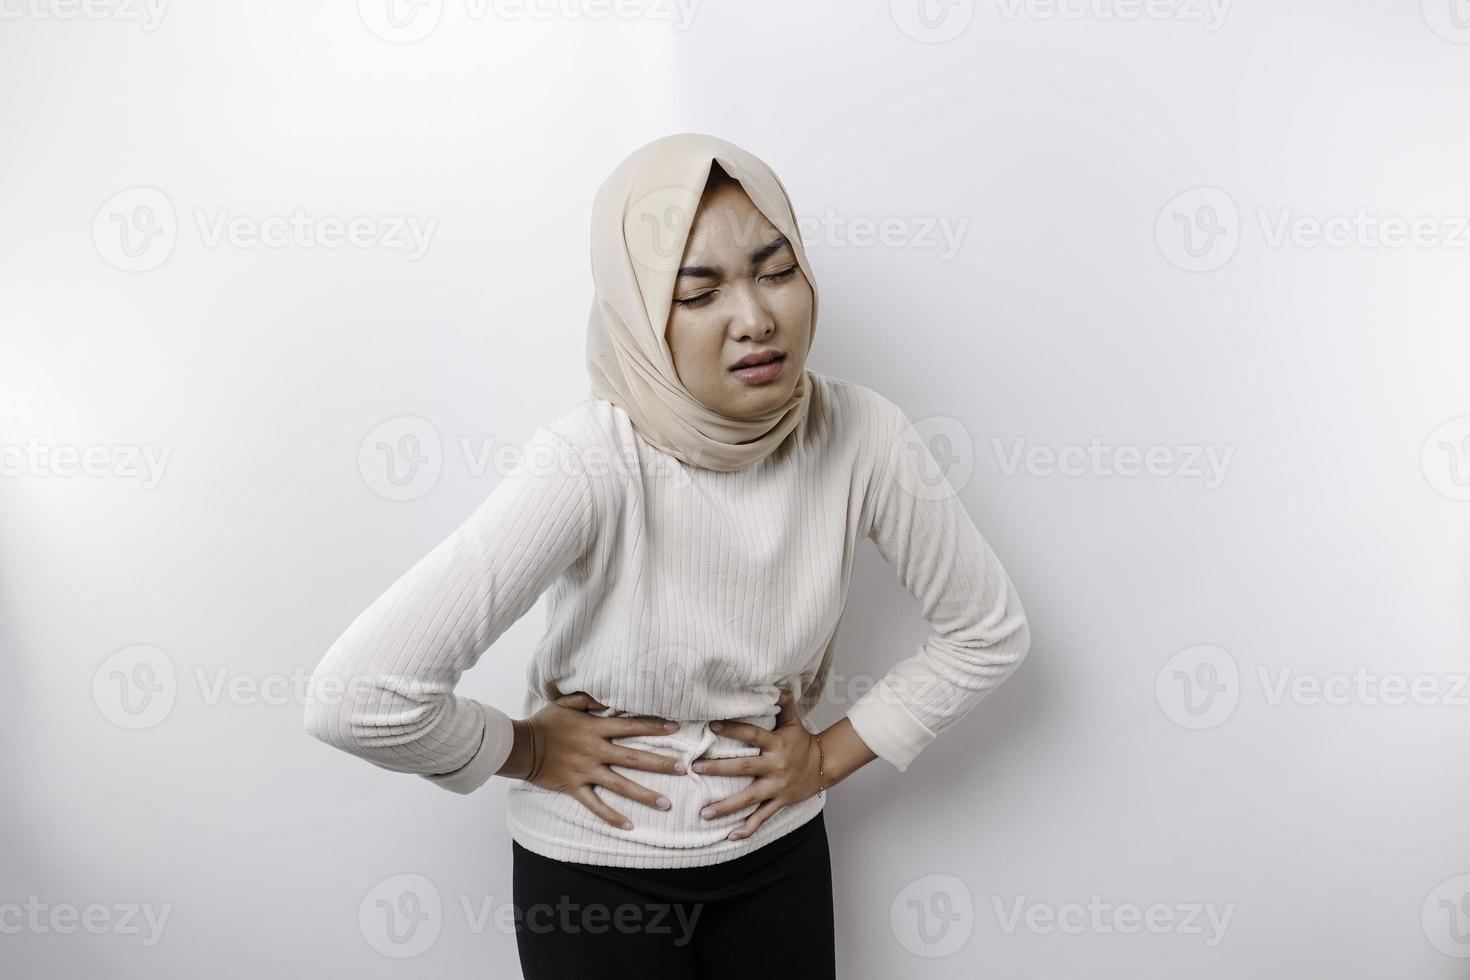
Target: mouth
[(759, 368), (761, 357)]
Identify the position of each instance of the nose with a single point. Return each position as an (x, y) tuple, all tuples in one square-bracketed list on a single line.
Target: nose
[(750, 320)]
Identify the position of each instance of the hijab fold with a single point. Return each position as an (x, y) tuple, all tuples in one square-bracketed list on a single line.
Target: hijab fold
[(641, 217)]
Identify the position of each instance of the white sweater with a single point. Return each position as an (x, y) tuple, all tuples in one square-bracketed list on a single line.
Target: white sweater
[(678, 592)]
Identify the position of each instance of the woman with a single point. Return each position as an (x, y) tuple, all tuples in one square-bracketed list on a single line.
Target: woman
[(694, 521)]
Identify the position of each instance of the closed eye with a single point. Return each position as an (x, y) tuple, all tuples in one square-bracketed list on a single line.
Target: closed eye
[(694, 301)]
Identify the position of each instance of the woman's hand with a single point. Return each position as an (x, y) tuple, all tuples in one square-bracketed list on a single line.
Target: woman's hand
[(787, 770), (574, 752)]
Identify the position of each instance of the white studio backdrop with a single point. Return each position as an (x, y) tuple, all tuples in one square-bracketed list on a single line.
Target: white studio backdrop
[(1177, 289)]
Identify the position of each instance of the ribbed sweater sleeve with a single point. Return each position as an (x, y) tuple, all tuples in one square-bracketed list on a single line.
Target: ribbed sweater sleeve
[(979, 630), (384, 691)]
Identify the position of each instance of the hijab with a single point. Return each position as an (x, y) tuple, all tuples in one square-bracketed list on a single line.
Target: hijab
[(641, 217)]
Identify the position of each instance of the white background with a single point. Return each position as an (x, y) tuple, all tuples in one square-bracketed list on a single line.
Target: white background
[(1330, 380)]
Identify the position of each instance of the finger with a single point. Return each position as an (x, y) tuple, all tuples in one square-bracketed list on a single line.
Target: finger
[(762, 813), (753, 734), (744, 765), (623, 786), (628, 727), (788, 715), (621, 755), (593, 802), (580, 701), (750, 796)]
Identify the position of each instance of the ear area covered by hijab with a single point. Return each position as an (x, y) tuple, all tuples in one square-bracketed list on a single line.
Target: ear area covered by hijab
[(641, 217)]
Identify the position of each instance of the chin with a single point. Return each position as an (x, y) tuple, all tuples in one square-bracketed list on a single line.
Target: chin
[(748, 402)]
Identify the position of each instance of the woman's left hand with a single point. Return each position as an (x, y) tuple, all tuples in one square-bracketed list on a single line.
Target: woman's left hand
[(786, 770)]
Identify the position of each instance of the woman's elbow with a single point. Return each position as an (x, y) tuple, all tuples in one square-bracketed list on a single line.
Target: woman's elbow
[(339, 713), (378, 717), (1008, 647), (326, 717), (1021, 641), (1022, 638)]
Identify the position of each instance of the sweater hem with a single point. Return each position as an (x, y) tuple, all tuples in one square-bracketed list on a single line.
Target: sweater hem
[(633, 854)]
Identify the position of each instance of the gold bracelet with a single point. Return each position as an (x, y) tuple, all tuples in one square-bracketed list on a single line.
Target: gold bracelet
[(821, 761), (535, 762)]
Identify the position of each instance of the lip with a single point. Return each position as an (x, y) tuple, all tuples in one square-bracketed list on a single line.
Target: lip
[(759, 357), (759, 374)]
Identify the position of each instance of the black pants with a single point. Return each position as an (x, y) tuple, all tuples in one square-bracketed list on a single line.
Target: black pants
[(767, 913)]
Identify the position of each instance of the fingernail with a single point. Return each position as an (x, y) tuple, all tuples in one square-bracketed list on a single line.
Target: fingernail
[(699, 767), (671, 725), (680, 768), (707, 812), (734, 835), (715, 726), (663, 803), (627, 825)]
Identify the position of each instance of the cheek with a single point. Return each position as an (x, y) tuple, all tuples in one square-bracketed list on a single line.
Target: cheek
[(795, 307), (693, 343), (680, 335)]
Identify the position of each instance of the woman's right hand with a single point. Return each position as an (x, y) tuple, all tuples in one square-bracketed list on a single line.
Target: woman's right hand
[(574, 752)]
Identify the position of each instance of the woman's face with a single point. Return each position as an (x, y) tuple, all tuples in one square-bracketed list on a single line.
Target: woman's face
[(739, 292)]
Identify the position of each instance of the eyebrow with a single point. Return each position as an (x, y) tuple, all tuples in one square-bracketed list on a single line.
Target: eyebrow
[(756, 258)]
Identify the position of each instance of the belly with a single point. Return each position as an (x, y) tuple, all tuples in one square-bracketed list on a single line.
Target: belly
[(563, 818)]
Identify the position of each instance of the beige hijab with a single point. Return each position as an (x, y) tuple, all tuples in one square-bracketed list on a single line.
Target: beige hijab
[(641, 218)]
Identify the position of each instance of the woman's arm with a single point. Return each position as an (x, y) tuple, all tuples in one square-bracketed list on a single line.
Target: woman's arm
[(980, 633), (384, 691), (843, 752)]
